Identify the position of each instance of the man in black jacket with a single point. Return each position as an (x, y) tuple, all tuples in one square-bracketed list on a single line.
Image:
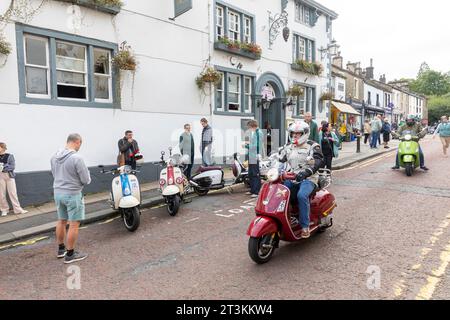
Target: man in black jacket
[(128, 148)]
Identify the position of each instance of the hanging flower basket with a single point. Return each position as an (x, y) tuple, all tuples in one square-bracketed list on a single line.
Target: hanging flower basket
[(308, 67), (125, 59), (208, 76), (248, 50), (295, 91), (107, 6), (326, 96), (5, 46)]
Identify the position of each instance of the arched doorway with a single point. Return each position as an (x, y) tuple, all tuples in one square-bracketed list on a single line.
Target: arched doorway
[(275, 115)]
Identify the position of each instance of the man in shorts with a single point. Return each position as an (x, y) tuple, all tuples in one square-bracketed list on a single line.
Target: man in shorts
[(70, 176)]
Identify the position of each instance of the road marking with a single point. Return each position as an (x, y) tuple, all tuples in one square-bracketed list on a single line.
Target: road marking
[(236, 211), (400, 286), (217, 211), (427, 291), (24, 243), (192, 220), (365, 163), (224, 216)]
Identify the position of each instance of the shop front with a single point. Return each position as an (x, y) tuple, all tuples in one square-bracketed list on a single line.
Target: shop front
[(345, 119)]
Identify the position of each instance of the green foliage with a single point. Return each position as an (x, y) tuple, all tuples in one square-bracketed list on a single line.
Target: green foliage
[(309, 67), (5, 46), (431, 83), (438, 106), (209, 75)]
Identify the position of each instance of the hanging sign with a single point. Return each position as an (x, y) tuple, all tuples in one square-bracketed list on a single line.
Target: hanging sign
[(182, 6)]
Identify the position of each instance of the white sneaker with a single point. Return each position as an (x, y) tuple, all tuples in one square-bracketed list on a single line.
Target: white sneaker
[(248, 193), (22, 212), (254, 196), (4, 213)]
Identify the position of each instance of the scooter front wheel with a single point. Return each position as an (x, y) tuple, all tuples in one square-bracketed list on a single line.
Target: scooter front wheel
[(131, 218), (261, 249), (174, 205), (201, 192), (409, 169)]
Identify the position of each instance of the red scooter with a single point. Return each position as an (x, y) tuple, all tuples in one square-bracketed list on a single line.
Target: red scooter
[(275, 216)]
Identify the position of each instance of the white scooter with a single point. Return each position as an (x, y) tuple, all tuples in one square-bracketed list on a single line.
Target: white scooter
[(212, 178), (125, 196), (172, 182)]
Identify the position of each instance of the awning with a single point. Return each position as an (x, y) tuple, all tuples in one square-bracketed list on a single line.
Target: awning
[(345, 108)]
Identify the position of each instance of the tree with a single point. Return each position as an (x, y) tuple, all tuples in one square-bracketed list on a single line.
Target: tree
[(431, 83), (424, 67), (438, 107)]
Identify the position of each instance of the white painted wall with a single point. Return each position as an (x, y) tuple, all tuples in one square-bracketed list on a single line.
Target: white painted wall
[(162, 96), (374, 91), (337, 82)]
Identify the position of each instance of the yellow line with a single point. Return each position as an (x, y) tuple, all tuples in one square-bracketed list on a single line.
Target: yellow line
[(24, 243), (427, 291)]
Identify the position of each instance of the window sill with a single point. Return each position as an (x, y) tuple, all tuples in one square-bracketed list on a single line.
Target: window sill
[(223, 47), (233, 114), (111, 9), (68, 103)]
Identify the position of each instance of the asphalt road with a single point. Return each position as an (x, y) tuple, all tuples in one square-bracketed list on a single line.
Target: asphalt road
[(391, 240)]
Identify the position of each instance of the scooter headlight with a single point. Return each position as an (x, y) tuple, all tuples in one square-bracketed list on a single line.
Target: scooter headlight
[(408, 137), (170, 181), (273, 175)]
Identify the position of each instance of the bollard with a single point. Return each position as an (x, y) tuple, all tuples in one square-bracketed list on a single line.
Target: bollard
[(358, 143)]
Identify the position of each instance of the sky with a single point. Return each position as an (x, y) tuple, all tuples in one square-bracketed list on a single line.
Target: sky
[(398, 34)]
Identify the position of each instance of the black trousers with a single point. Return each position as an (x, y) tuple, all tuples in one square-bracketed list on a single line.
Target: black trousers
[(328, 160), (366, 137), (255, 178)]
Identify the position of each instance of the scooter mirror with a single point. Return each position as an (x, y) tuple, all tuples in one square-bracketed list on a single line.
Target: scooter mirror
[(101, 166), (163, 153)]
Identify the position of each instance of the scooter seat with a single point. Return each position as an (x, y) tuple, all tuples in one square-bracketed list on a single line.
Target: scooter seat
[(205, 169)]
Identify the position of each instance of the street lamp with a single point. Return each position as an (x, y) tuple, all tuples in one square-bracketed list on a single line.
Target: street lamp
[(332, 49)]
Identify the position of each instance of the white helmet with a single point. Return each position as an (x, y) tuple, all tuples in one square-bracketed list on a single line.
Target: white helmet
[(299, 127)]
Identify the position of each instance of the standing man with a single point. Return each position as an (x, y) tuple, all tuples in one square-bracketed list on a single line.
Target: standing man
[(128, 148), (8, 183), (376, 128), (206, 146), (70, 176), (444, 133), (386, 133), (255, 150), (187, 148), (314, 129), (367, 131)]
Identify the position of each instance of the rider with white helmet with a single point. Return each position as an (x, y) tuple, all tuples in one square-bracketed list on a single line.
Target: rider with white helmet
[(305, 158)]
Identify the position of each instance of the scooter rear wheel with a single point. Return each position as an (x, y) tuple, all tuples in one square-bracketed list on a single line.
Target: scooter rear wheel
[(258, 252), (201, 192), (131, 218)]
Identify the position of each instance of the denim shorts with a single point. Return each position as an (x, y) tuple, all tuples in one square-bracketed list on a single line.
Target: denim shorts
[(70, 207)]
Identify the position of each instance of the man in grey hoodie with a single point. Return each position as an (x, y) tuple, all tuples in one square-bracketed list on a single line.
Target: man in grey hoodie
[(70, 176)]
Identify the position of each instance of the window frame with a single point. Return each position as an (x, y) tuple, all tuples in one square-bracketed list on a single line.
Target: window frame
[(47, 67), (242, 16), (110, 93), (309, 48), (52, 36), (308, 100), (231, 33), (222, 25), (242, 95)]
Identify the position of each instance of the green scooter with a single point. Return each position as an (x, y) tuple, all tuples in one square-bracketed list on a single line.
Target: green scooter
[(408, 152)]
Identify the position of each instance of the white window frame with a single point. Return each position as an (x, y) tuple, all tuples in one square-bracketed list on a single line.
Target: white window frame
[(248, 95), (86, 78), (310, 99), (301, 104), (234, 28), (310, 46), (222, 109), (247, 30), (47, 67), (109, 76), (301, 44), (220, 22), (239, 93)]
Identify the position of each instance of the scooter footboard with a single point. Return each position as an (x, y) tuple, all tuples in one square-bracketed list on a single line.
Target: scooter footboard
[(262, 226)]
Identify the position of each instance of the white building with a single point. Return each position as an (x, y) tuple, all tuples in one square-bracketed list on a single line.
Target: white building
[(373, 99), (59, 78)]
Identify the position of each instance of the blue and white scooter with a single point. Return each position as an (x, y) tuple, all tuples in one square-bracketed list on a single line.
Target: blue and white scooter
[(126, 196)]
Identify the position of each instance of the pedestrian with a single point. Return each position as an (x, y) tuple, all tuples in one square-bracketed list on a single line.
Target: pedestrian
[(255, 150), (394, 127), (376, 128), (314, 129), (444, 133), (330, 145), (128, 150), (367, 131), (187, 148), (386, 130), (70, 176), (206, 145), (8, 183)]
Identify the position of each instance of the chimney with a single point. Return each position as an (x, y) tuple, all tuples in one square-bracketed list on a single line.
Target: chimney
[(338, 61), (383, 78), (370, 70)]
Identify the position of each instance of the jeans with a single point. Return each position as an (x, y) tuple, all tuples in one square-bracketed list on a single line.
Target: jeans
[(255, 179), (303, 191), (206, 154), (421, 158), (375, 137)]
